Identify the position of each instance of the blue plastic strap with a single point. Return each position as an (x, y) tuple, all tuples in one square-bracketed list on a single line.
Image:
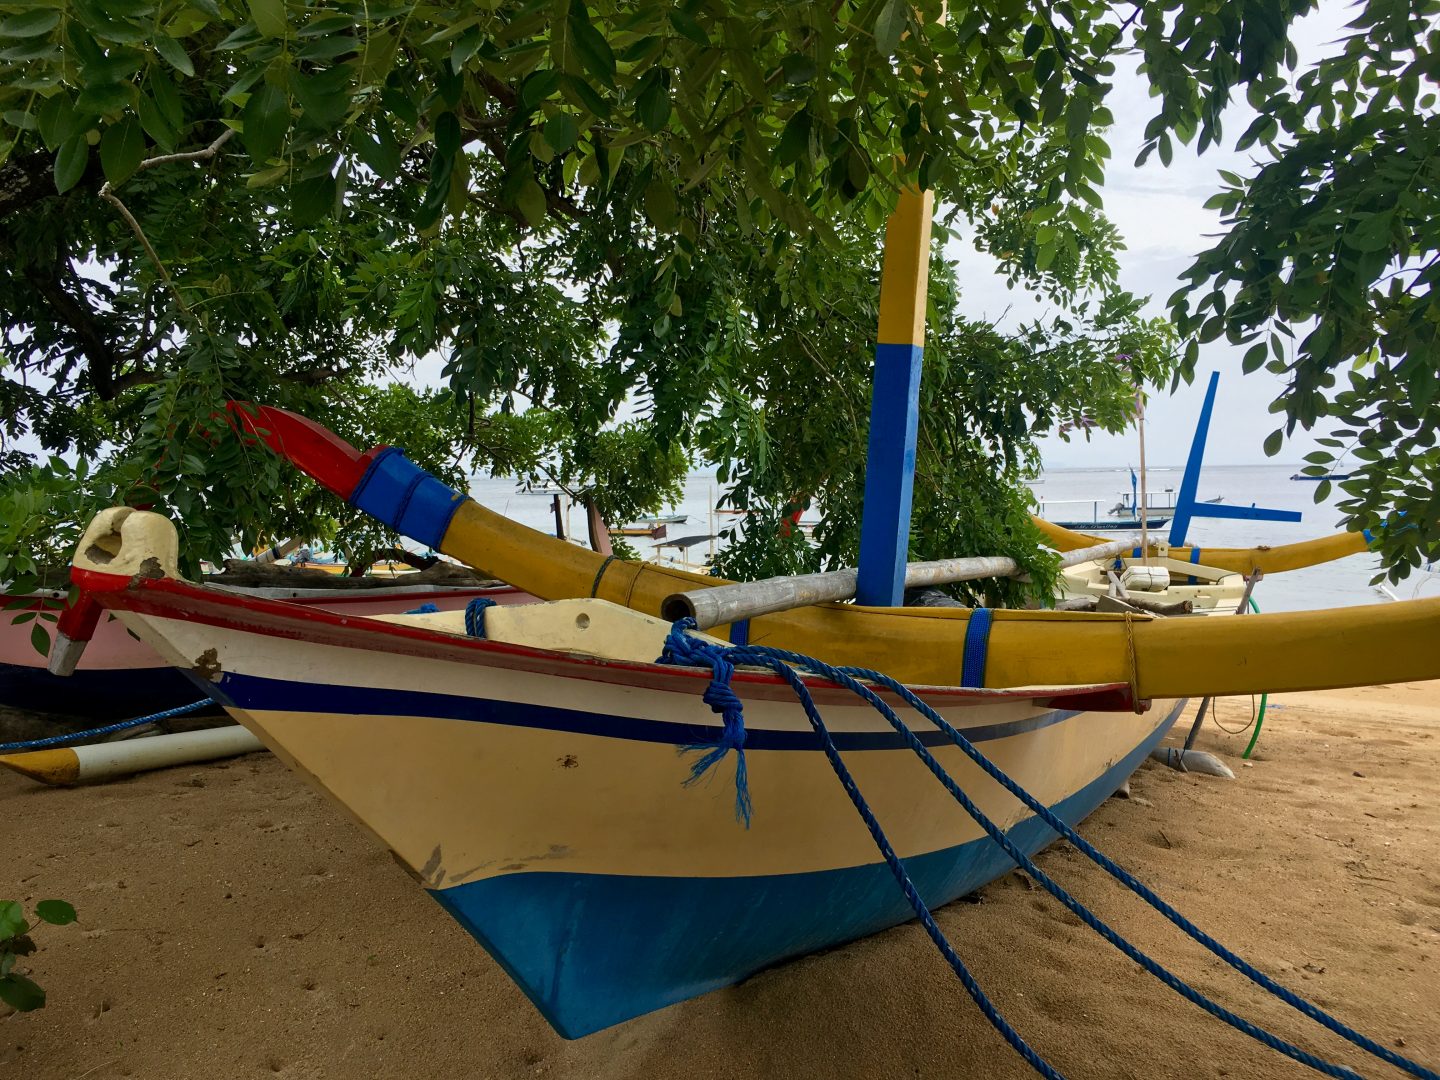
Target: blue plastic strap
[(977, 647), (397, 492), (1194, 558), (740, 632)]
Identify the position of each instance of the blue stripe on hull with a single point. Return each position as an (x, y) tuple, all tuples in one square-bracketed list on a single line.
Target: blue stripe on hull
[(260, 694), (592, 950), (100, 694)]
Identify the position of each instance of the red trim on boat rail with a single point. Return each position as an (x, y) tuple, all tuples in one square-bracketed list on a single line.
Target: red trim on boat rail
[(171, 598)]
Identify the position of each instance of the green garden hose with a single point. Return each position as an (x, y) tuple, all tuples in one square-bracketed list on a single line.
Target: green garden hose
[(1264, 698)]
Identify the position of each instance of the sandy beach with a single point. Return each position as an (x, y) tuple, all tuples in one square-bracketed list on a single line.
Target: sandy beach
[(234, 923)]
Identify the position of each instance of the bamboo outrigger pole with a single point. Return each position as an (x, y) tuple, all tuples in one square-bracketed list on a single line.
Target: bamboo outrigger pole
[(727, 604)]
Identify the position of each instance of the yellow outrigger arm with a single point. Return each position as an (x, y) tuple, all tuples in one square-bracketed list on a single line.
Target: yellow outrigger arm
[(1268, 560)]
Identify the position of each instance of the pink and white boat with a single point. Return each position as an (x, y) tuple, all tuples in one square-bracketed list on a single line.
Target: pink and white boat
[(120, 676)]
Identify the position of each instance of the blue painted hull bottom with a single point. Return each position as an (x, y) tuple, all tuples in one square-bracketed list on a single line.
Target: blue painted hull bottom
[(593, 950), (99, 694)]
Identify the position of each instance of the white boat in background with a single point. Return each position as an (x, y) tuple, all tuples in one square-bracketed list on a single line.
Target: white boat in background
[(1157, 579)]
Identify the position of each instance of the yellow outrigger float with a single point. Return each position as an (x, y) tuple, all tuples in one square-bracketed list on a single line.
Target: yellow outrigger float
[(1268, 560)]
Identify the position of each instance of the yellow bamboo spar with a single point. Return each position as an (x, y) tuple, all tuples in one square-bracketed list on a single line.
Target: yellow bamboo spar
[(1269, 560)]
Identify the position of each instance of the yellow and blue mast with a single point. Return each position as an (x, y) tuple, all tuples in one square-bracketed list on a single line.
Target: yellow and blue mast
[(895, 402)]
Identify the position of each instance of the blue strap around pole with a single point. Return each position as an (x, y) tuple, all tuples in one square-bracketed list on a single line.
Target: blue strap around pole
[(977, 647)]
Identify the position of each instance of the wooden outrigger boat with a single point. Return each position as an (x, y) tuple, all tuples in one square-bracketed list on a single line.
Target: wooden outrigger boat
[(529, 778)]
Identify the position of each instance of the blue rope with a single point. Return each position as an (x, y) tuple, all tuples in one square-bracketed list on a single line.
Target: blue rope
[(475, 616), (721, 698), (681, 648), (423, 609), (57, 740), (779, 661)]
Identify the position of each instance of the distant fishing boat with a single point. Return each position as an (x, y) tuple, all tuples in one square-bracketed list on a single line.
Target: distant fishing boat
[(653, 531), (1114, 524), (1323, 476)]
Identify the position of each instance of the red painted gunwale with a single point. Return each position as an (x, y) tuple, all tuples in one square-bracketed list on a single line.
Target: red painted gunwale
[(171, 598)]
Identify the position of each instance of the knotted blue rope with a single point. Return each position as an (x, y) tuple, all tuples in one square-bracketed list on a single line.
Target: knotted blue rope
[(423, 609), (687, 651), (108, 729), (780, 661), (475, 616)]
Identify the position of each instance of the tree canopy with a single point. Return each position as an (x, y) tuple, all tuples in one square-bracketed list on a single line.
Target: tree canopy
[(579, 206)]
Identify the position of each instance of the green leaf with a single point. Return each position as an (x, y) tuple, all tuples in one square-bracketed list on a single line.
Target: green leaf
[(58, 121), (106, 98), (30, 23), (794, 140), (56, 912), (660, 203), (378, 151), (1254, 357), (1034, 38), (798, 68), (20, 993), (448, 134), (590, 45), (892, 21), (531, 201), (266, 177), (155, 123), (40, 638), (585, 96), (122, 148), (312, 199), (167, 98), (685, 24), (561, 132), (267, 119), (1272, 443), (269, 17), (12, 919), (174, 54), (71, 161), (652, 101)]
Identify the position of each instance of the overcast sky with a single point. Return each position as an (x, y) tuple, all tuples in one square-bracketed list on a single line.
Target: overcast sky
[(1160, 213)]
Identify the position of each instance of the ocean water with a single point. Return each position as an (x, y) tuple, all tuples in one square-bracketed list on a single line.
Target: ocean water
[(1069, 494)]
